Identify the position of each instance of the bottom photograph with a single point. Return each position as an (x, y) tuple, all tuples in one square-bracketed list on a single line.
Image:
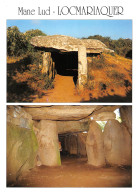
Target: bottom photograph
[(69, 146)]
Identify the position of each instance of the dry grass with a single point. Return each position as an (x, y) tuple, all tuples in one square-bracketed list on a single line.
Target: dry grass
[(24, 80), (114, 78)]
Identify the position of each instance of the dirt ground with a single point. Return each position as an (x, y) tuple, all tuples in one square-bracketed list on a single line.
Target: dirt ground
[(112, 82), (64, 91), (75, 172)]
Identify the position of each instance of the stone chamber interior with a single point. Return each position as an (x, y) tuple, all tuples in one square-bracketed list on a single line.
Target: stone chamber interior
[(66, 64), (69, 146)]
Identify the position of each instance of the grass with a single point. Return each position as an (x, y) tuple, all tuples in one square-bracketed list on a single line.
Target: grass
[(109, 75), (97, 62), (25, 79)]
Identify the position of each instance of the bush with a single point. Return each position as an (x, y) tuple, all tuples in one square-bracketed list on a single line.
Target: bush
[(115, 75), (35, 57), (98, 62), (35, 79), (120, 46), (16, 42)]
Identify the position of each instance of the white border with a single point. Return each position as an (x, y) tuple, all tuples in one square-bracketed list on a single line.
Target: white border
[(9, 11)]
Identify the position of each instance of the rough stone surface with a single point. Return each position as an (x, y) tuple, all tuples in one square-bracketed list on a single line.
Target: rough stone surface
[(82, 144), (60, 112), (68, 44), (73, 148), (48, 143), (22, 149), (75, 144), (71, 126), (68, 113), (95, 145), (19, 117), (126, 115), (104, 116), (82, 66), (48, 65), (117, 144)]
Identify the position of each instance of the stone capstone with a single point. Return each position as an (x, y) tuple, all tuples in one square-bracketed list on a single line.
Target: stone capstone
[(60, 112), (72, 126), (70, 113), (68, 44)]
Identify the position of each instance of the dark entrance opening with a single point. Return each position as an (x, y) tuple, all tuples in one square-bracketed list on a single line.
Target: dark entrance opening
[(73, 145), (66, 64)]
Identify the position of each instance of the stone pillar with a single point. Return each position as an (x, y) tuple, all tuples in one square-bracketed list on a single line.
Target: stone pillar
[(53, 70), (82, 66), (73, 144), (47, 64), (82, 144), (117, 144), (49, 153), (126, 116), (95, 145)]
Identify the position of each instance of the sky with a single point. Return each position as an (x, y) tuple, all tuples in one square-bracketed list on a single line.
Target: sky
[(114, 29)]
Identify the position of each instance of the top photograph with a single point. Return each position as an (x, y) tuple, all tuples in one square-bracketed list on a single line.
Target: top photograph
[(69, 61)]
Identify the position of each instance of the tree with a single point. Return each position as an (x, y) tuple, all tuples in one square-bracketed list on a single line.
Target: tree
[(16, 42), (120, 46), (32, 33)]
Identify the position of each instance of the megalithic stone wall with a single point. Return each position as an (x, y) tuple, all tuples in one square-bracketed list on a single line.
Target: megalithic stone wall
[(48, 65), (22, 143)]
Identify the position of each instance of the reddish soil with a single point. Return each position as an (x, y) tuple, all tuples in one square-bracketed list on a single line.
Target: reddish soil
[(112, 82), (64, 91), (75, 172)]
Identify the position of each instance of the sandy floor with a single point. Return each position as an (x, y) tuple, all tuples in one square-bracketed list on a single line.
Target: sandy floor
[(64, 91), (75, 172)]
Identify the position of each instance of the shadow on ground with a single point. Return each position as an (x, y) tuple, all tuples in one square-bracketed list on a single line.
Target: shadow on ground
[(114, 98), (18, 92)]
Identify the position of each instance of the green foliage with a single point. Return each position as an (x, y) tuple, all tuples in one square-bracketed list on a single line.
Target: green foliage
[(102, 124), (121, 46), (35, 57), (19, 43), (31, 33), (16, 42)]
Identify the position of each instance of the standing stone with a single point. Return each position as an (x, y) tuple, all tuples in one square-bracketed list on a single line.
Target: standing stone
[(49, 153), (53, 70), (82, 66), (47, 63), (126, 115), (73, 144), (117, 144), (94, 145), (82, 144)]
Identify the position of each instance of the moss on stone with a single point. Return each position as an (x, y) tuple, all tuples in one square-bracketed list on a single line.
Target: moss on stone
[(21, 150)]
